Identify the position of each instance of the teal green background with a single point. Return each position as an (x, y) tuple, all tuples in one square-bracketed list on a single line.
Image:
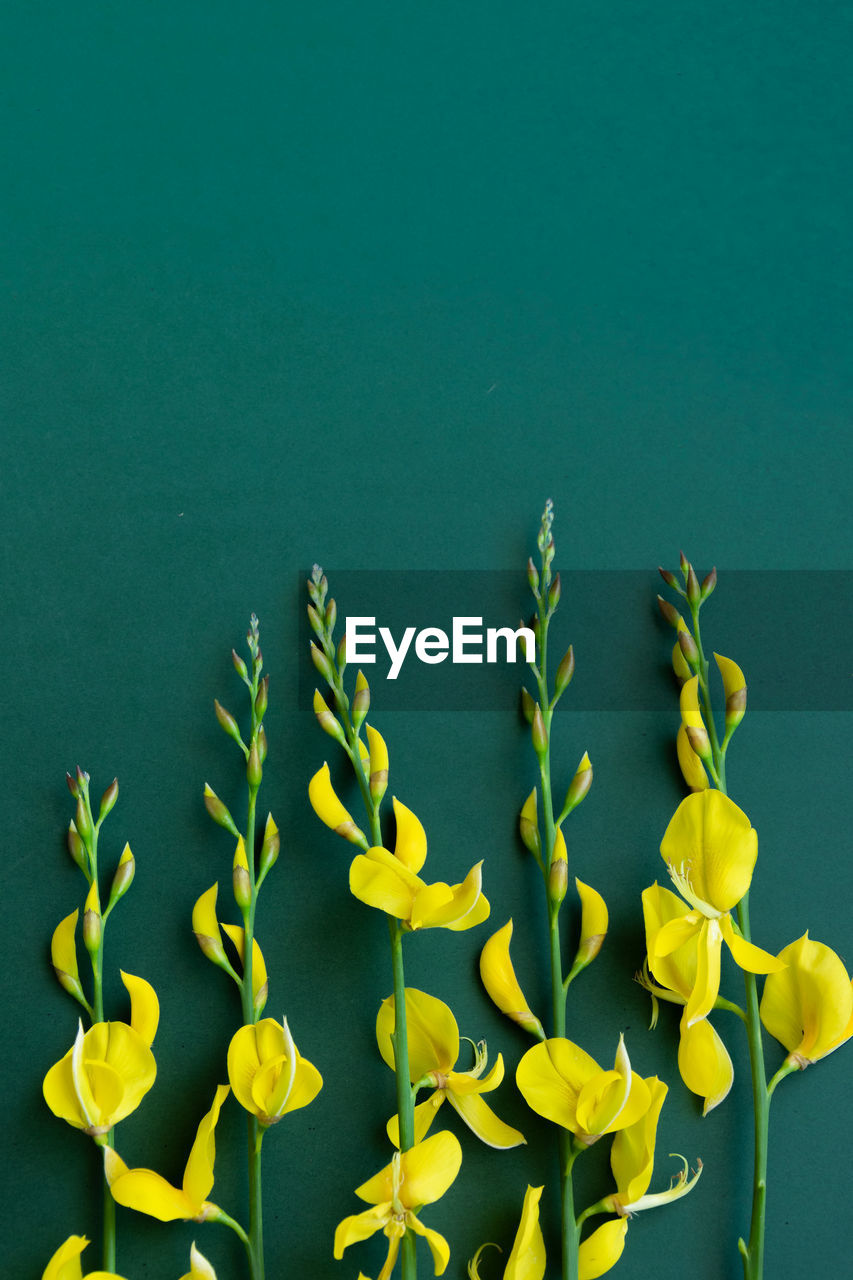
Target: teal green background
[(363, 285)]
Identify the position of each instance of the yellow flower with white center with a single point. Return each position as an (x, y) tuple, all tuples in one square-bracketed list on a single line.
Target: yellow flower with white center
[(498, 975), (148, 1192), (632, 1159), (200, 1268), (561, 1082), (710, 850), (66, 1265), (703, 1060), (808, 1007), (527, 1259), (268, 1076), (109, 1069), (433, 1039), (414, 1178), (389, 882)]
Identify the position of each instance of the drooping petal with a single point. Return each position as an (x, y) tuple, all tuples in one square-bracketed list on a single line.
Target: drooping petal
[(746, 954), (145, 1191), (527, 1258), (632, 1155), (602, 1250), (379, 880), (498, 977), (692, 768), (438, 1246), (483, 1122), (594, 922), (328, 808), (704, 994), (144, 1007), (711, 845), (550, 1078), (808, 1006), (198, 1175), (205, 923), (458, 911), (410, 847), (733, 678), (429, 1169), (704, 1063), (360, 1226), (431, 1034)]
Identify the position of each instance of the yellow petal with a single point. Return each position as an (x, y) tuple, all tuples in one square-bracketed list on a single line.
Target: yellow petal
[(63, 951), (704, 1063), (483, 1122), (677, 969), (328, 807), (243, 1064), (691, 716), (632, 1155), (259, 968), (360, 1226), (733, 678), (602, 1250), (703, 997), (379, 880), (144, 1007), (411, 843), (65, 1263), (680, 665), (527, 1258), (378, 752), (710, 845), (746, 954), (429, 1169), (431, 1034), (240, 859), (198, 1175), (691, 766), (145, 1191), (612, 1100), (550, 1078), (498, 977), (808, 1006), (594, 921), (438, 1246), (200, 1268), (205, 924), (680, 931), (466, 908), (425, 1113)]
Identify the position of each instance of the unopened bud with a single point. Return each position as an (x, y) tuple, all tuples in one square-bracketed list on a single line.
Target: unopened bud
[(687, 645), (331, 616), (262, 744), (709, 583), (683, 562), (254, 772), (669, 578), (72, 785), (734, 687), (316, 621), (240, 878), (528, 825), (565, 670), (594, 922), (360, 701), (558, 880), (326, 719), (554, 593), (378, 763), (84, 820), (239, 665), (539, 733), (92, 926), (227, 722), (76, 847), (341, 653), (679, 663), (536, 628), (735, 708), (108, 799), (699, 741), (262, 699), (218, 811), (123, 878), (528, 706), (669, 613), (694, 591), (322, 663), (579, 785), (270, 846), (533, 576)]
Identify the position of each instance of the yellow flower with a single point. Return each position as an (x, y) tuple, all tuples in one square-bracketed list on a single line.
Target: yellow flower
[(433, 1039), (413, 1178), (632, 1159), (65, 1263), (808, 1007), (691, 766), (527, 1259), (594, 922), (200, 1268), (602, 1250), (498, 975), (561, 1082), (148, 1192), (389, 882), (109, 1069), (703, 1060), (710, 850), (267, 1074), (328, 808)]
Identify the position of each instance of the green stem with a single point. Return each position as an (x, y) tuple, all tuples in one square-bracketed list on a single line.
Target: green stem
[(256, 1241), (228, 1221), (753, 1253)]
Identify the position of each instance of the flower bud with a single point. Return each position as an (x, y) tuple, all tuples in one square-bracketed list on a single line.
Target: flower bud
[(239, 665), (709, 583), (565, 670), (734, 687), (270, 846), (254, 772), (498, 976), (325, 718), (669, 613), (594, 921), (679, 663), (322, 663), (579, 785), (528, 825), (63, 955), (329, 809), (315, 621), (691, 766), (84, 821), (218, 811), (123, 878), (683, 562), (92, 925), (533, 576), (108, 800), (331, 616), (262, 698), (378, 763), (669, 578), (72, 785), (699, 741), (360, 701), (554, 593), (539, 733), (76, 847), (528, 706), (558, 874), (341, 654), (240, 877), (227, 722), (206, 927), (262, 744), (687, 645), (694, 592)]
